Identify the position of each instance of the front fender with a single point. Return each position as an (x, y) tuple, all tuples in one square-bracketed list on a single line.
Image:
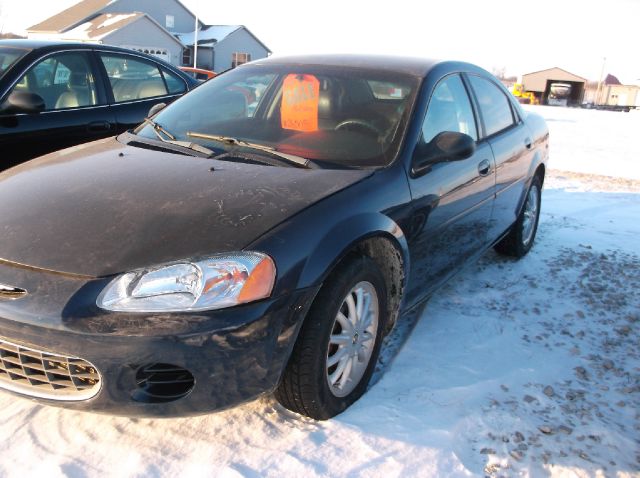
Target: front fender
[(343, 238), (307, 246)]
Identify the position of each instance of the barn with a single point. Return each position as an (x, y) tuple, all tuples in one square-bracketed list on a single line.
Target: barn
[(555, 86)]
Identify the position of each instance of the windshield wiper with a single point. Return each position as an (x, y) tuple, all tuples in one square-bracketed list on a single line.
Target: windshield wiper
[(158, 128), (291, 158)]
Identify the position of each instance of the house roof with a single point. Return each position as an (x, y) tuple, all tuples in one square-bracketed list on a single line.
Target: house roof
[(215, 34), (70, 17), (209, 33), (78, 13), (555, 68), (611, 80), (103, 25)]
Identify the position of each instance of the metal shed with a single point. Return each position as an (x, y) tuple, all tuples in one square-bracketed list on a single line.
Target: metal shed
[(541, 82)]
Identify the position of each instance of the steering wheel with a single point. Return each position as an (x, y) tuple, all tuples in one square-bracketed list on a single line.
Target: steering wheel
[(359, 124)]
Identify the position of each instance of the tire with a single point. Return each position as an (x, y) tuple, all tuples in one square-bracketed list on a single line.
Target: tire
[(305, 387), (520, 238)]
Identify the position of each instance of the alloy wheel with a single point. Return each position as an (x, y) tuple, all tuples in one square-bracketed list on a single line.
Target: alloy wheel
[(352, 339), (530, 215)]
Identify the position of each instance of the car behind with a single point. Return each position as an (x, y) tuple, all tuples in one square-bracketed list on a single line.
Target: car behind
[(58, 94)]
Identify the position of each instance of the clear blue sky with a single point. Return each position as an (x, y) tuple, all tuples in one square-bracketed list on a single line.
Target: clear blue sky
[(519, 36)]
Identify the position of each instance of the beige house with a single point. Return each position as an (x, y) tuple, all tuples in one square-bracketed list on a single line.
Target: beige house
[(619, 95)]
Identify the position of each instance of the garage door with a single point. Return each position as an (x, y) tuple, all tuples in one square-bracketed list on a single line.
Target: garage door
[(161, 53)]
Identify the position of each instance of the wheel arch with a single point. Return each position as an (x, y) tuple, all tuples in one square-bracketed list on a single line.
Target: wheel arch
[(538, 168), (374, 235), (541, 172)]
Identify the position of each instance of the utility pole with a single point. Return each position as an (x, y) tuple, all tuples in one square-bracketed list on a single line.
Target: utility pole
[(597, 98), (195, 45)]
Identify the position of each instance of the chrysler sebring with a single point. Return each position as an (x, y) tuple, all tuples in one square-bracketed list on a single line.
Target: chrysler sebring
[(259, 235)]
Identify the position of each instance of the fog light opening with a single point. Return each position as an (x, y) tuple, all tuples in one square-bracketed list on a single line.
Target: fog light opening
[(161, 383)]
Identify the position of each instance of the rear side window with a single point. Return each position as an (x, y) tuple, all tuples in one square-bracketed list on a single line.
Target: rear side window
[(449, 110), (133, 78), (175, 84), (494, 105)]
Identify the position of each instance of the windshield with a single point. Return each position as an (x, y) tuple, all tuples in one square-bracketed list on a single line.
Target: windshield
[(8, 56), (344, 117)]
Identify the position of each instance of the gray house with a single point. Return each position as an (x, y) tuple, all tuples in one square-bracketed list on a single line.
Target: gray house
[(221, 47), (163, 28), (136, 31)]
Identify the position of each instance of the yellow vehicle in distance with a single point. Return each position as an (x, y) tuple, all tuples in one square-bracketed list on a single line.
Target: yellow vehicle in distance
[(524, 97)]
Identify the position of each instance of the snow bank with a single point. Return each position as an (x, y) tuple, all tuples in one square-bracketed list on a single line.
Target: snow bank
[(525, 368), (595, 142)]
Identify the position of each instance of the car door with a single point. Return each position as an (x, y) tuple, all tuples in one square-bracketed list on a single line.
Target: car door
[(75, 108), (136, 84), (510, 142), (453, 200)]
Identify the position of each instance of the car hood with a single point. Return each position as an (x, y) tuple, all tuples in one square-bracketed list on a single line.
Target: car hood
[(105, 207)]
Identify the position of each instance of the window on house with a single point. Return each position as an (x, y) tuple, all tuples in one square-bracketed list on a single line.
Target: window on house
[(238, 59), (170, 21), (186, 57)]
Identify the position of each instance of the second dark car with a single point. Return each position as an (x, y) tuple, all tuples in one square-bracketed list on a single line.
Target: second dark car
[(58, 94), (262, 233)]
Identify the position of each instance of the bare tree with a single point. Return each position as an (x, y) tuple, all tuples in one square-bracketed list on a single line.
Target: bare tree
[(499, 72)]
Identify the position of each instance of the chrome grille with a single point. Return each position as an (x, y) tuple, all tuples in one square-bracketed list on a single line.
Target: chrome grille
[(46, 375)]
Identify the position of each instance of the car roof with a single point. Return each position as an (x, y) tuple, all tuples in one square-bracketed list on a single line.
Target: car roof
[(411, 65), (53, 45)]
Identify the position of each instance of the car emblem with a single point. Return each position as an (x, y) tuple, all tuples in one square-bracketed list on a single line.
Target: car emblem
[(9, 292)]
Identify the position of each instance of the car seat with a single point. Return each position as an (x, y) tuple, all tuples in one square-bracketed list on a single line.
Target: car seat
[(79, 92), (151, 88)]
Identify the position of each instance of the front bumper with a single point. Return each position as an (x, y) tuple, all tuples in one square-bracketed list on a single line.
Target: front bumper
[(234, 355)]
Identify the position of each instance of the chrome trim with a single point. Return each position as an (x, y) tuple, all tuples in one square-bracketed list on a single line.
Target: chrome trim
[(45, 368), (62, 110), (11, 293), (128, 102)]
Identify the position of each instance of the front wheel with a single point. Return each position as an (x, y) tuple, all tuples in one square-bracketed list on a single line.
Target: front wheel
[(338, 346), (520, 238)]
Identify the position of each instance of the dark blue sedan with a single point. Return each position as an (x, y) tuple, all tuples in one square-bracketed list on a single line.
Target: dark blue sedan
[(261, 234)]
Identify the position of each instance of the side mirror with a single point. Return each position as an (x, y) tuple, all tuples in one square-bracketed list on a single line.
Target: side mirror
[(155, 109), (23, 102), (444, 147)]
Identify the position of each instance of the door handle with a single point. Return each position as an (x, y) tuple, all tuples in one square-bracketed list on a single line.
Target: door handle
[(484, 168), (99, 126), (527, 143)]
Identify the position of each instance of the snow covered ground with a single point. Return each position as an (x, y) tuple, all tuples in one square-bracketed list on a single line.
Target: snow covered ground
[(528, 368)]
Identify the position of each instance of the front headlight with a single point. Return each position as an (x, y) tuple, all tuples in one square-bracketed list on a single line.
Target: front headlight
[(214, 283)]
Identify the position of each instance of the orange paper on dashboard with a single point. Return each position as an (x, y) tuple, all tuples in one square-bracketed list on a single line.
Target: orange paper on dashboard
[(300, 96)]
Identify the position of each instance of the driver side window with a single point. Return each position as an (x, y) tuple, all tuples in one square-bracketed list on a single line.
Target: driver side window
[(64, 80), (449, 110)]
